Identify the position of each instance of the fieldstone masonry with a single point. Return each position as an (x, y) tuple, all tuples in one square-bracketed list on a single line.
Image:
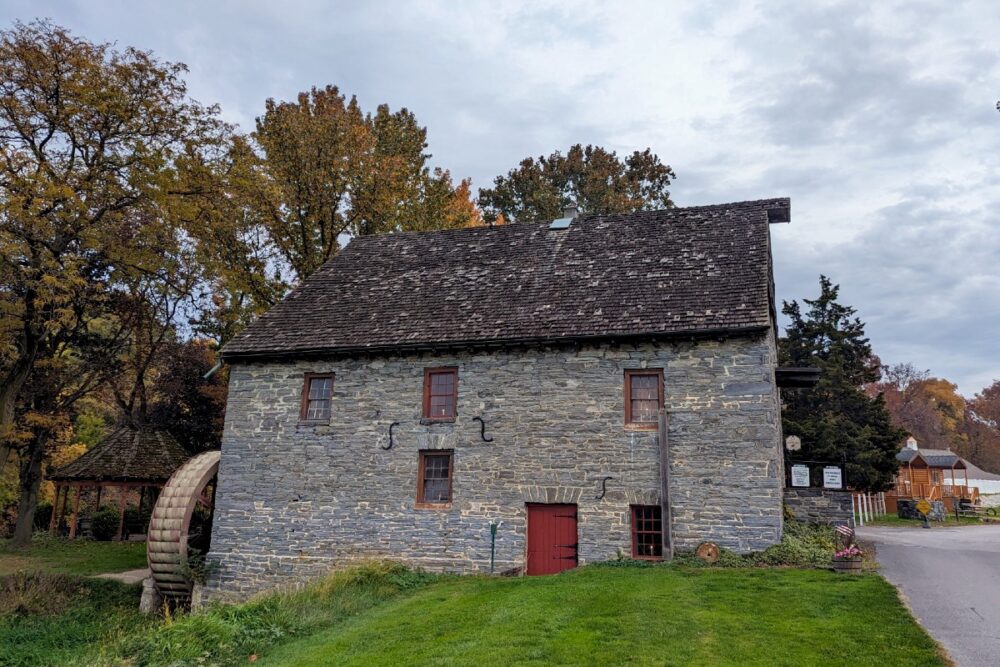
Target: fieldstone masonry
[(820, 506), (295, 500)]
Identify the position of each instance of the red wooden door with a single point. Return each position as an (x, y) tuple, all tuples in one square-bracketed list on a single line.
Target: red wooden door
[(552, 541)]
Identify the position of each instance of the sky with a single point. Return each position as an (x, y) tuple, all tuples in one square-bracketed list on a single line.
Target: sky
[(879, 120)]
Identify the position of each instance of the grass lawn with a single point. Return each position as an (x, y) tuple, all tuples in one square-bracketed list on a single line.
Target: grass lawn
[(631, 616), (383, 614), (77, 557)]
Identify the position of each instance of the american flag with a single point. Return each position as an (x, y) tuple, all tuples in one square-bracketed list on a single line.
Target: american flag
[(846, 531)]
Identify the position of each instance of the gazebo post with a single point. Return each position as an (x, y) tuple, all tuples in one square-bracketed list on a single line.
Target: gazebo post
[(122, 496), (76, 511), (55, 510), (62, 506), (100, 487)]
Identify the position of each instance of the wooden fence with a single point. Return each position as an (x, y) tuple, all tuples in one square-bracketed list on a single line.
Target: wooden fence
[(867, 507)]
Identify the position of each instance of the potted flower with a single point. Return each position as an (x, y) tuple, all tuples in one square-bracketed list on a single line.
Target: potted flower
[(848, 559)]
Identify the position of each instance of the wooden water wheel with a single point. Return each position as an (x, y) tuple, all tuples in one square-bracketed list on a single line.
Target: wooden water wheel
[(181, 524)]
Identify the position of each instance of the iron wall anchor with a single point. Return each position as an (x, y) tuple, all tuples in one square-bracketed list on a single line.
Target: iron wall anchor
[(482, 429)]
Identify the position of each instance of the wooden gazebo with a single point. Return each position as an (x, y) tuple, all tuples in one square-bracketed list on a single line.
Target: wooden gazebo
[(132, 462)]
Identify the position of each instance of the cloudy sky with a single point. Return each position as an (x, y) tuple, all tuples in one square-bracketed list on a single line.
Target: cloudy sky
[(877, 119)]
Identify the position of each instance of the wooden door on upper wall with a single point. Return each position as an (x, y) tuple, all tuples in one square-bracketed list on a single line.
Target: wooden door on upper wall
[(552, 538)]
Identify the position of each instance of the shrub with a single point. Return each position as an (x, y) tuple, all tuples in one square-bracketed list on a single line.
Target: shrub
[(104, 523), (132, 515), (228, 634), (43, 513), (8, 519), (36, 593), (803, 545)]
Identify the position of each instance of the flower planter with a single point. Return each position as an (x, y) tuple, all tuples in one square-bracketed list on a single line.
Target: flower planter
[(847, 565)]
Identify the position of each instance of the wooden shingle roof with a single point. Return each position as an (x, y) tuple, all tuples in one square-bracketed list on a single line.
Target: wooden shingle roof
[(127, 454), (935, 458), (704, 269)]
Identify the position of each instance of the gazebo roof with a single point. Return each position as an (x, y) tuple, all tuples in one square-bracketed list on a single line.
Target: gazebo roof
[(127, 454)]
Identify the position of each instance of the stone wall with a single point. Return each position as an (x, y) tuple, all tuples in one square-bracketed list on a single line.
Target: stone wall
[(294, 499), (820, 505)]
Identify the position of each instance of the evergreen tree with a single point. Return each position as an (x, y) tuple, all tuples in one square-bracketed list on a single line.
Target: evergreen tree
[(836, 419)]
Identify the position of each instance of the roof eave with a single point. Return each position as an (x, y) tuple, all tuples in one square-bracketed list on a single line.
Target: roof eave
[(276, 355)]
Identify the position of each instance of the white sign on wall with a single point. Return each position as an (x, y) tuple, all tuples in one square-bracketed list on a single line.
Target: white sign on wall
[(800, 475), (832, 478)]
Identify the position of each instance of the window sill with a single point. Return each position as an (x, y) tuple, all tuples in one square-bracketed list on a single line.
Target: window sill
[(652, 559), (432, 506), (427, 421), (314, 422), (642, 427)]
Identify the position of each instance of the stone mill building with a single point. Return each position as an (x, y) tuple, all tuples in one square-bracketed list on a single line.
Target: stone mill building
[(421, 386)]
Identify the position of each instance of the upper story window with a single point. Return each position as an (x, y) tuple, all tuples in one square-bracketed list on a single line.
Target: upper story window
[(440, 393), (643, 398), (317, 397)]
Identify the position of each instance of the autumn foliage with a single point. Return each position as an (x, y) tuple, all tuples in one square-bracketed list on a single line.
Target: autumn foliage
[(932, 411)]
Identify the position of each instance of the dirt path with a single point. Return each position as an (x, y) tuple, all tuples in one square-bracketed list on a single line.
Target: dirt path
[(127, 577)]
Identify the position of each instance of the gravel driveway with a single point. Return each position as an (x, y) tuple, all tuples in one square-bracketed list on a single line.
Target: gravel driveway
[(951, 578)]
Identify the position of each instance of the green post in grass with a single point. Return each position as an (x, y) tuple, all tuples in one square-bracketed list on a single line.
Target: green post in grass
[(494, 525)]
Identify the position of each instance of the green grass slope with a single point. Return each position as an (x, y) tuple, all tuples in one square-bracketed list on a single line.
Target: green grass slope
[(384, 614), (631, 616)]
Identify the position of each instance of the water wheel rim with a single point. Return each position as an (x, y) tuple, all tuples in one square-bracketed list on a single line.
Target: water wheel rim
[(167, 545)]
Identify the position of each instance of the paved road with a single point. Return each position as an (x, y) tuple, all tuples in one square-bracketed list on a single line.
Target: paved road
[(951, 578)]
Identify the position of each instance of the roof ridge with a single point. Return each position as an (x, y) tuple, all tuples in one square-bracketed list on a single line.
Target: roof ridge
[(749, 203)]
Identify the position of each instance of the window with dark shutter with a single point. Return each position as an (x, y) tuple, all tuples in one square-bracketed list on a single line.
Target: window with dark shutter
[(647, 532), (440, 393), (643, 398), (434, 477), (317, 395)]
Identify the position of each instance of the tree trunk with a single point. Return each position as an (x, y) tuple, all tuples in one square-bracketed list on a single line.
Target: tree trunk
[(31, 480), (9, 391)]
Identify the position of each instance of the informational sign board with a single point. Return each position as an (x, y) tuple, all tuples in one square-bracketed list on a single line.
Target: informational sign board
[(832, 478), (800, 475)]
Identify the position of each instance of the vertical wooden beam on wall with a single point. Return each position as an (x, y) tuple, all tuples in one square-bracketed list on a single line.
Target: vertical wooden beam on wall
[(122, 497), (665, 516), (97, 505), (76, 512)]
